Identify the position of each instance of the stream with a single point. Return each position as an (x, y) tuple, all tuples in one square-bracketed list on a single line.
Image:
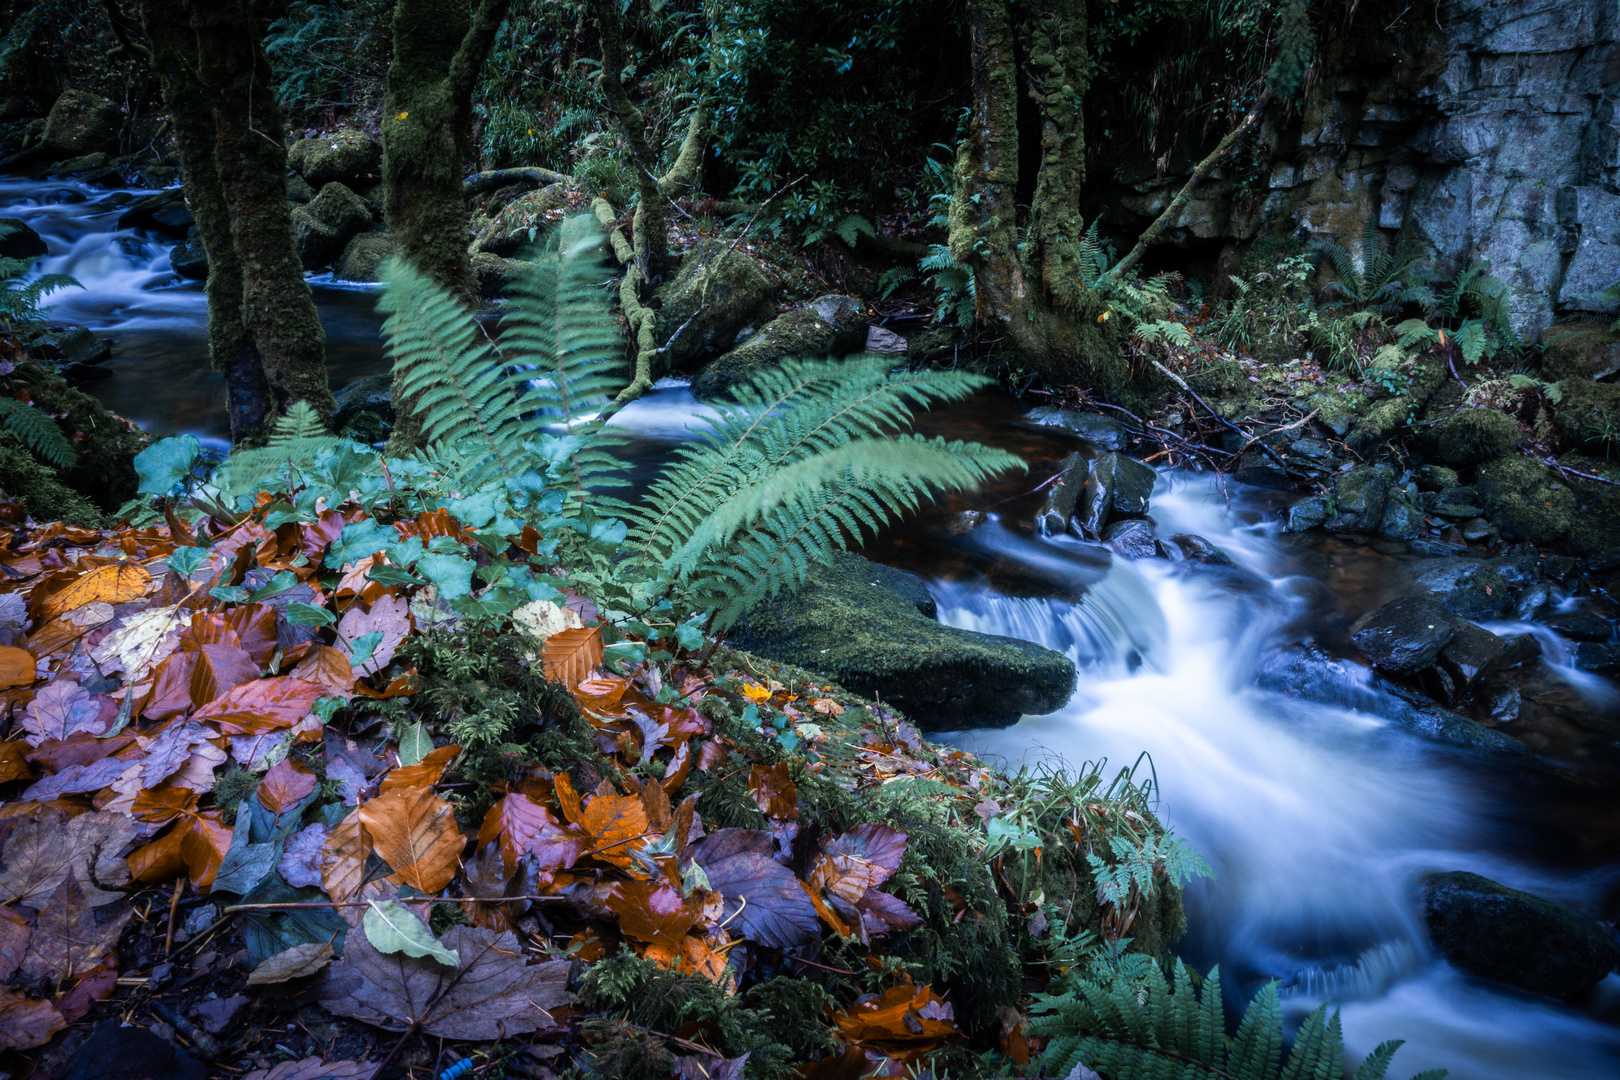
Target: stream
[(1320, 819)]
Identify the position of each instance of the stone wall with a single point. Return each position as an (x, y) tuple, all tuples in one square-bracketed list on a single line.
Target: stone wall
[(1495, 138)]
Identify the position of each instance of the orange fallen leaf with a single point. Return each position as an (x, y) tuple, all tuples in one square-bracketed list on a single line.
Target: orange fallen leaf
[(329, 667), (161, 805), (195, 846), (13, 765), (118, 583), (569, 655), (653, 912), (285, 786), (263, 705), (514, 821), (415, 833), (424, 774), (16, 667), (614, 823), (905, 1021), (343, 858)]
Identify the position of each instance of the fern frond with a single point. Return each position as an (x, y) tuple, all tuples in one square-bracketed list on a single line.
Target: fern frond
[(38, 432), (301, 422)]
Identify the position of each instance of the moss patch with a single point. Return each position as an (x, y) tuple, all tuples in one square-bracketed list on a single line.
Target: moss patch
[(1589, 414), (715, 294), (1473, 435), (43, 495), (1525, 500)]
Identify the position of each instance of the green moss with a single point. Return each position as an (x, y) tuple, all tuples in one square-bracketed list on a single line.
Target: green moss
[(1588, 414), (715, 293), (1578, 350), (800, 333), (44, 497), (1524, 499), (1470, 436), (230, 788), (105, 470), (1226, 386)]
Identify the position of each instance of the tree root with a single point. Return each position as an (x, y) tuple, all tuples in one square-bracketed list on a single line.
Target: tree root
[(478, 183)]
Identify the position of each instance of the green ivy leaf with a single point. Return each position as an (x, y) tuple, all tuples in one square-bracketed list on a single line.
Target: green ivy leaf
[(361, 648), (392, 575), (164, 464), (414, 744), (230, 594), (391, 927), (300, 614), (282, 582), (450, 574), (187, 560)]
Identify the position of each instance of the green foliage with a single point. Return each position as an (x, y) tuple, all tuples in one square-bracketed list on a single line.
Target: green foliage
[(1136, 864), (38, 432), (1295, 43), (1147, 1028), (19, 297), (1467, 315), (329, 53), (1384, 280)]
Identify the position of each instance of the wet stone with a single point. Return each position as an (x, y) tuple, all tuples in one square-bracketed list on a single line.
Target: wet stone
[(1502, 702), (1359, 496), (1598, 659), (1468, 588), (1579, 625), (1117, 487), (1061, 496), (1404, 636), (1199, 550), (1534, 601), (1131, 539), (1471, 653), (1104, 432), (1307, 513)]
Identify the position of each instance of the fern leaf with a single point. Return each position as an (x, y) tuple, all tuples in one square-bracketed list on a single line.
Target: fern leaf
[(300, 423), (38, 432), (852, 227)]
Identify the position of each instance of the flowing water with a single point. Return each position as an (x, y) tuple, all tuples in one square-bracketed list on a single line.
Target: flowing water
[(1320, 819)]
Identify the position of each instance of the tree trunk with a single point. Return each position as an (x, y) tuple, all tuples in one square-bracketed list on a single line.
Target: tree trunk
[(427, 136), (651, 227), (250, 153), (1034, 293)]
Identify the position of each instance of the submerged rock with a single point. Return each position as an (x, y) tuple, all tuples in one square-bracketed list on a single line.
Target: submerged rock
[(871, 629), (1495, 932), (1131, 539), (1103, 432), (1468, 588), (1198, 550), (1404, 636)]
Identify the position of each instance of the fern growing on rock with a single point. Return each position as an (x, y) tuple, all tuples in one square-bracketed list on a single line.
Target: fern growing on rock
[(1151, 1028)]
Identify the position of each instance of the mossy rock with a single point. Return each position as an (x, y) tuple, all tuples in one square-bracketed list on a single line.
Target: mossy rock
[(19, 241), (362, 257), (871, 629), (347, 156), (1225, 386), (716, 293), (105, 470), (316, 242), (1524, 500), (828, 326), (341, 209), (1471, 436), (494, 274), (523, 221), (36, 486), (1579, 350), (81, 123), (1588, 414)]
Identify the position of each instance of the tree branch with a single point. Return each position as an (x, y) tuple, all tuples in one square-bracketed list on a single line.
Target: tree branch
[(475, 46)]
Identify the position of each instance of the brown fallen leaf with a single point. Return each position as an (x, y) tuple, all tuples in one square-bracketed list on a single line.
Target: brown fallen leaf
[(67, 940), (424, 774), (263, 705), (16, 667), (313, 1068), (13, 765), (118, 583), (195, 846), (26, 1023), (220, 668), (285, 786), (94, 987), (329, 667), (774, 791), (293, 963), (14, 935), (493, 994), (389, 616), (343, 858), (415, 833), (514, 821), (41, 852), (569, 655)]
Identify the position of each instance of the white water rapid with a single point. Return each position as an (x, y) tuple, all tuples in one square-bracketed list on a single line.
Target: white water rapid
[(1319, 821)]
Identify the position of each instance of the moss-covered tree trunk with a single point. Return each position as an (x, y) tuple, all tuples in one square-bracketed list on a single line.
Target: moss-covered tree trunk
[(650, 231), (251, 155), (173, 49), (427, 135), (1034, 294)]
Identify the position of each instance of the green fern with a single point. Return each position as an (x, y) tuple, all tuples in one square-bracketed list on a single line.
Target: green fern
[(38, 432), (1156, 1029), (295, 440), (1385, 280), (19, 299)]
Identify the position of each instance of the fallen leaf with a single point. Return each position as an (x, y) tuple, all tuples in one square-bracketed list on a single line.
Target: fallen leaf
[(653, 912), (904, 1021), (391, 927), (860, 859), (313, 1068), (285, 786), (219, 669), (194, 846), (614, 823), (167, 752), (424, 774), (294, 963), (59, 710), (741, 865), (40, 853), (13, 766), (76, 780), (494, 994), (67, 940), (415, 833), (26, 1023), (343, 858), (569, 655), (330, 668), (300, 864), (77, 1002), (142, 642), (16, 667), (774, 791), (388, 615), (14, 934), (262, 705), (161, 805), (118, 583), (514, 822)]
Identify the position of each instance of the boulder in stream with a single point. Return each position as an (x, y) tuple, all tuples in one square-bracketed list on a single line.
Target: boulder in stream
[(68, 345), (1468, 588), (1580, 625), (1118, 487), (18, 241), (871, 628), (1101, 431), (1359, 498), (81, 123), (346, 156), (1495, 932), (1061, 496), (1404, 636), (189, 260), (717, 294), (161, 212), (827, 326), (362, 257), (1131, 539)]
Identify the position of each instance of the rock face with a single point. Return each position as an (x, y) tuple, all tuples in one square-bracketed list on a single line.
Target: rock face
[(1489, 134), (346, 156), (81, 123), (18, 241), (1513, 937), (827, 326), (872, 629)]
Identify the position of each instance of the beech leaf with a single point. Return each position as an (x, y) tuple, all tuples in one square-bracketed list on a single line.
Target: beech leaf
[(59, 710), (741, 865), (40, 853), (294, 963), (415, 833), (26, 1023), (67, 940), (494, 993), (569, 655), (390, 618), (392, 927)]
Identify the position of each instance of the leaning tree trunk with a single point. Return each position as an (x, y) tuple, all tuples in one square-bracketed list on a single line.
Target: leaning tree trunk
[(173, 53), (251, 155), (1034, 292), (427, 136)]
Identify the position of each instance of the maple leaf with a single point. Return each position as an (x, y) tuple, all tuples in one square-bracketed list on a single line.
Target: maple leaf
[(415, 833), (41, 852), (16, 667), (389, 616), (300, 864), (61, 709), (286, 785), (67, 941), (740, 865), (26, 1023), (569, 655), (493, 994), (264, 705)]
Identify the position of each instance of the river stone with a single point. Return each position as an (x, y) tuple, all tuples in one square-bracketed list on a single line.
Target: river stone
[(1472, 652), (69, 345), (1307, 513), (1471, 436), (346, 156), (18, 241), (1118, 487), (163, 212), (827, 326), (1359, 499), (298, 189), (1597, 658), (362, 256), (523, 221), (1579, 625), (1061, 496), (1131, 539), (189, 260), (1103, 432), (870, 628), (1404, 636), (1403, 518), (1468, 588), (1198, 550), (81, 123), (373, 394), (1495, 932), (717, 292), (884, 342), (1436, 478), (1502, 701), (316, 242), (340, 209), (494, 274), (1533, 602)]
